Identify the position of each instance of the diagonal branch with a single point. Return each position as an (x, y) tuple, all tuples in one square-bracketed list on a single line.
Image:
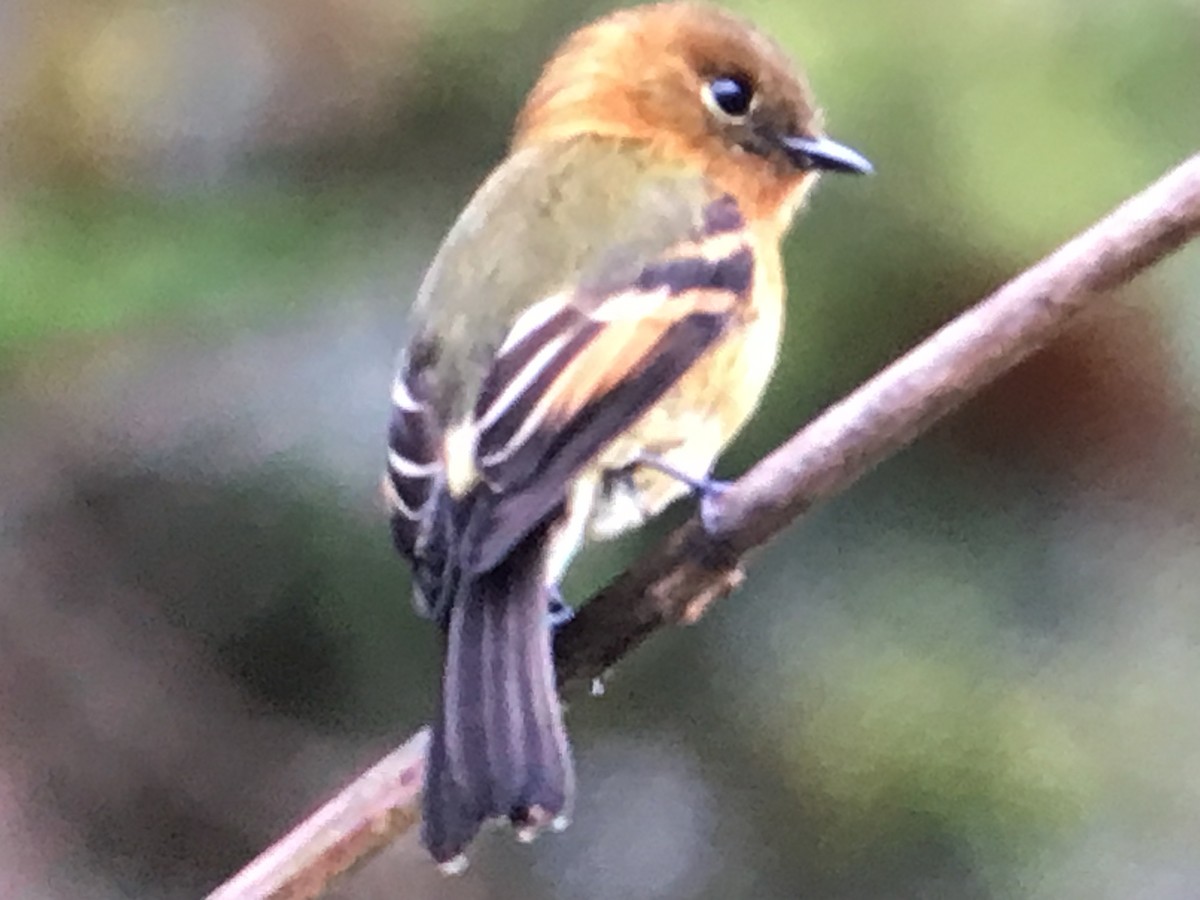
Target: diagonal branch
[(676, 581)]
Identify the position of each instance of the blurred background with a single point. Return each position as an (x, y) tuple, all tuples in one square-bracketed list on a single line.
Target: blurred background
[(973, 676)]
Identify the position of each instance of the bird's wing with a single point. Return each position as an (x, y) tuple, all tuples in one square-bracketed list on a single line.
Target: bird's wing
[(581, 366), (549, 321)]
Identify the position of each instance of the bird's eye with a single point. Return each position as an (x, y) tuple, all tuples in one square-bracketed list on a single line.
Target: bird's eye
[(731, 95)]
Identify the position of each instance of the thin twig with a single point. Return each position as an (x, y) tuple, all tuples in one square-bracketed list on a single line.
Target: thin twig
[(676, 581)]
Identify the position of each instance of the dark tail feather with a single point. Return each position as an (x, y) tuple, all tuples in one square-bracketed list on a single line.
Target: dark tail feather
[(499, 748)]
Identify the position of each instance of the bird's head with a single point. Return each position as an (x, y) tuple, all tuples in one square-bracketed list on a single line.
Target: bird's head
[(698, 85)]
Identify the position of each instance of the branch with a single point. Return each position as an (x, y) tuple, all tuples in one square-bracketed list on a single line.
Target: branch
[(677, 581)]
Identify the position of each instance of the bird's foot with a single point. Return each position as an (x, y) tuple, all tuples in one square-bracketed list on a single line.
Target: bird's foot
[(559, 611), (707, 489)]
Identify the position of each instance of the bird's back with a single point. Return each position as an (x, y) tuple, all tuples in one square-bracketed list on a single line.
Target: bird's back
[(576, 217)]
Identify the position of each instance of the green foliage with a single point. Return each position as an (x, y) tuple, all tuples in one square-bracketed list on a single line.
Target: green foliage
[(73, 265), (912, 716)]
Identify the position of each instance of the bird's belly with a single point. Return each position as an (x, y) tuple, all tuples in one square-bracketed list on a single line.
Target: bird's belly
[(687, 428)]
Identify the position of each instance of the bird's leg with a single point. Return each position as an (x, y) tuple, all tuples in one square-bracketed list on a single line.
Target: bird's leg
[(706, 488), (702, 486), (560, 612)]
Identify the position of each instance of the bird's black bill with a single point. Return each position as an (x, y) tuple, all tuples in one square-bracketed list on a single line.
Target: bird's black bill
[(826, 154)]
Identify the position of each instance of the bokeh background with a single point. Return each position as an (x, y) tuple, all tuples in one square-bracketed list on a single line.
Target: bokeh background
[(976, 675)]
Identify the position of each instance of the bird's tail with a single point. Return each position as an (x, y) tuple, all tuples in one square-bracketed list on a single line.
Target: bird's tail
[(499, 748)]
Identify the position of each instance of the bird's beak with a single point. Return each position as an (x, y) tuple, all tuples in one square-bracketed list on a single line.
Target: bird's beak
[(826, 154)]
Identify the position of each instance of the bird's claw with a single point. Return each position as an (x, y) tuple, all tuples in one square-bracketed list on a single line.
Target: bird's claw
[(710, 505), (559, 612), (707, 489)]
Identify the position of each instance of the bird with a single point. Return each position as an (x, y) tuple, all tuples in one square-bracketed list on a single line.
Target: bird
[(597, 325)]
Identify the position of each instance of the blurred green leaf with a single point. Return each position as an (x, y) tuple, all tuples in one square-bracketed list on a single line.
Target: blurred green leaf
[(103, 262)]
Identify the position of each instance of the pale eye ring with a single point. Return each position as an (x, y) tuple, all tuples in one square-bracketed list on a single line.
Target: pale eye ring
[(729, 96)]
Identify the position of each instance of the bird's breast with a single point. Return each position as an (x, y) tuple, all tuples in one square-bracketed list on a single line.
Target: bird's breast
[(698, 417)]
